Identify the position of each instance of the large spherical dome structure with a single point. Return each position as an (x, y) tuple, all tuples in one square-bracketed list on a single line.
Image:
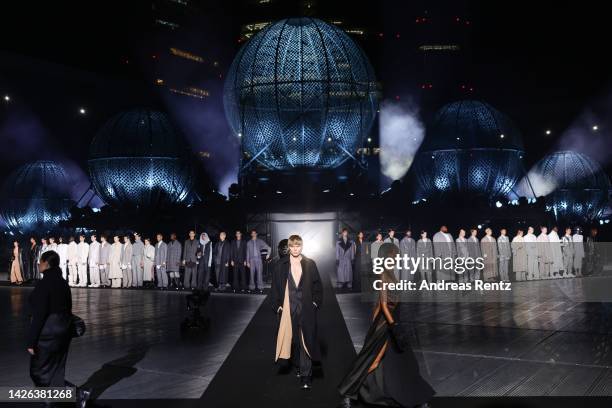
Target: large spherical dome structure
[(574, 185), (469, 148), (35, 198), (300, 93), (139, 160)]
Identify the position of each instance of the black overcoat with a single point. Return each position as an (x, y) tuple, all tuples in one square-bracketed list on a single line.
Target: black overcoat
[(312, 298)]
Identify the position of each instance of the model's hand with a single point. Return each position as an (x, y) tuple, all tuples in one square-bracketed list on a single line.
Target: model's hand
[(226, 264), (232, 263), (31, 351), (245, 263)]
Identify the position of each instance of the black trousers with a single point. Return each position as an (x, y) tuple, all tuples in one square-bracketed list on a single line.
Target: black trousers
[(203, 276), (240, 280), (299, 356), (48, 364), (191, 276)]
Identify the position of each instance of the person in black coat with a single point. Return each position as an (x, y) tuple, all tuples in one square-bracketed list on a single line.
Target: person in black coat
[(221, 259), (50, 333), (238, 252), (386, 371), (297, 295), (204, 257)]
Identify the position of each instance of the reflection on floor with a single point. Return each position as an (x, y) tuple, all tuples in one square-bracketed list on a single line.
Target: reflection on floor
[(133, 347), (544, 346)]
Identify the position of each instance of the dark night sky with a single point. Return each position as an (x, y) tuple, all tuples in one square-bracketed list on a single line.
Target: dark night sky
[(544, 63)]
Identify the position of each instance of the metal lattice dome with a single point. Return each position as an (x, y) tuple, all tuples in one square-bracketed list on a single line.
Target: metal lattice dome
[(139, 160), (35, 198), (301, 93), (469, 148), (575, 185)]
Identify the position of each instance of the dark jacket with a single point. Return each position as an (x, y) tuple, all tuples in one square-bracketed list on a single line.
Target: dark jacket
[(238, 255), (312, 298), (203, 256), (225, 252), (50, 296)]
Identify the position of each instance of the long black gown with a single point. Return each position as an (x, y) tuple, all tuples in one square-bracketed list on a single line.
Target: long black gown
[(396, 381)]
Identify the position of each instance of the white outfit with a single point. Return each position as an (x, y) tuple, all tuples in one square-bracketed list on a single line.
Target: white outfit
[(149, 262), (114, 265), (578, 253), (94, 264), (62, 251), (531, 247), (73, 260), (557, 255), (544, 256), (82, 255)]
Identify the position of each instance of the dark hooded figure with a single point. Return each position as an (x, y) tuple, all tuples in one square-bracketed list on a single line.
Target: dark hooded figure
[(297, 294)]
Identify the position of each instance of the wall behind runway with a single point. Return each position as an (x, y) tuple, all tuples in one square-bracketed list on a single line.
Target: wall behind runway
[(319, 232)]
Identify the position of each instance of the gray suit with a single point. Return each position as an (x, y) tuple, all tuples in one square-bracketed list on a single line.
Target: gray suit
[(104, 265), (407, 247), (475, 252), (505, 253), (463, 252), (161, 255), (424, 249), (444, 247), (254, 248), (137, 263), (567, 247), (173, 262)]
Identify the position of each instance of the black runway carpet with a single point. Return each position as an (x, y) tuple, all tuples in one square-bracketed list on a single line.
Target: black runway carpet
[(249, 376)]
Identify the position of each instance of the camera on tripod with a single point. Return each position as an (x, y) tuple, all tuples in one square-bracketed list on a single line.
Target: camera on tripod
[(195, 320)]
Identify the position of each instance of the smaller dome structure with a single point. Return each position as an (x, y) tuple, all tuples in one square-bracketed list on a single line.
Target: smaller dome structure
[(35, 198)]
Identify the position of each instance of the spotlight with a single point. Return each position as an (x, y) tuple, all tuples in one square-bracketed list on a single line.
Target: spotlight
[(239, 134), (7, 98), (501, 136), (548, 131), (326, 190), (351, 194), (369, 140), (479, 226), (498, 204), (82, 111), (595, 127), (279, 192), (329, 139)]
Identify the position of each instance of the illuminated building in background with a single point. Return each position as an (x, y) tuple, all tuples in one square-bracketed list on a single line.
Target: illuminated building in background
[(263, 12), (178, 64), (441, 40)]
